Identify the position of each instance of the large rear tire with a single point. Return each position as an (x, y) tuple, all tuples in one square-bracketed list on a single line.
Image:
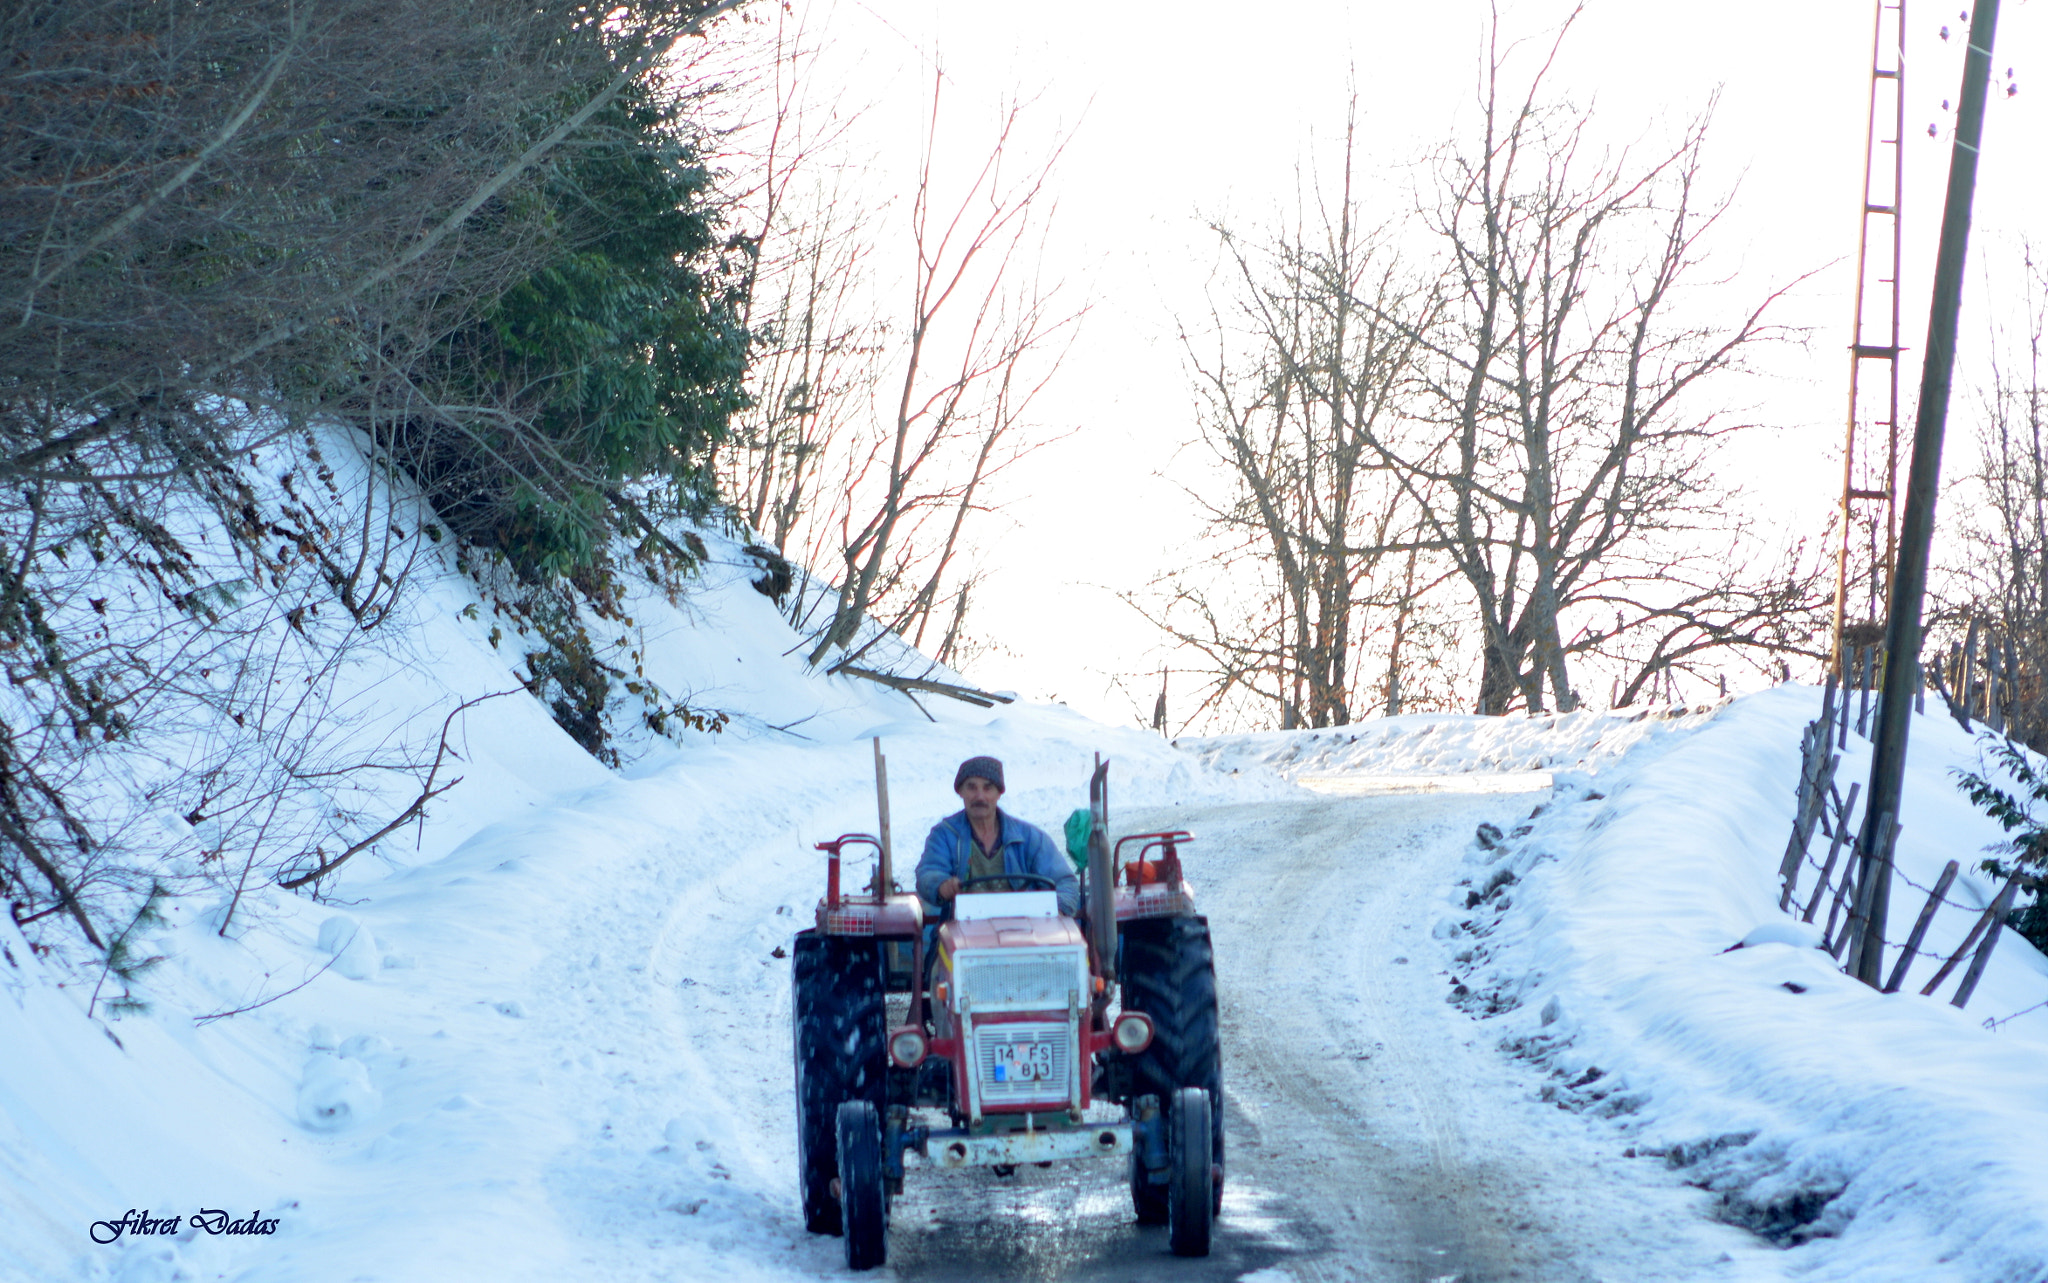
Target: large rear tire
[(839, 1019), (1169, 973), (1190, 1183), (863, 1197)]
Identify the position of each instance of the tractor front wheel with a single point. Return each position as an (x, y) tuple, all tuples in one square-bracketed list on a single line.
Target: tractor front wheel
[(863, 1197), (1191, 1179)]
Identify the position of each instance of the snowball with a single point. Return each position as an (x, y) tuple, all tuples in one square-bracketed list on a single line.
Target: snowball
[(363, 1046), (353, 947), (336, 1094)]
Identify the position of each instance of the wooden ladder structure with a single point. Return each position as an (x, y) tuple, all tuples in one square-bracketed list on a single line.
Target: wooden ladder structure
[(1870, 457)]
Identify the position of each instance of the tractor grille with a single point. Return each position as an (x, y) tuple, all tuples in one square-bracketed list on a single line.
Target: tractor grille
[(1054, 1088), (1009, 979)]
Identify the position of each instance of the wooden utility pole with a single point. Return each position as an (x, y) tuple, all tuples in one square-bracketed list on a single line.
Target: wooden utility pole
[(1916, 533)]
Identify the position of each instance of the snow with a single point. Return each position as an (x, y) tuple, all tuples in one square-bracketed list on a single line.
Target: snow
[(1893, 1135), (543, 1033)]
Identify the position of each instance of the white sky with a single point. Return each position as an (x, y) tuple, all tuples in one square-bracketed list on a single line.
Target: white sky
[(1182, 112)]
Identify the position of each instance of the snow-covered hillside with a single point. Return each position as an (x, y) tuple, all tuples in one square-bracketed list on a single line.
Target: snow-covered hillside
[(543, 1033), (417, 1054)]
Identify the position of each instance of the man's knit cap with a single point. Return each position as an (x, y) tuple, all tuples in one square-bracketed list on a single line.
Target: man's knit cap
[(987, 768)]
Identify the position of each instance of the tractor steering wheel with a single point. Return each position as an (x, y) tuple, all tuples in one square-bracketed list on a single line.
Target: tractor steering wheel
[(1044, 883)]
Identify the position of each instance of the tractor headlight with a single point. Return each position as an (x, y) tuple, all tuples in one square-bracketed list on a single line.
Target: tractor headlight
[(1132, 1032), (907, 1048)]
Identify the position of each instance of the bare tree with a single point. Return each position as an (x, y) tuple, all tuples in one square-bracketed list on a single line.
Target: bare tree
[(808, 299), (1995, 591), (1690, 616), (1314, 516), (814, 368), (1559, 455), (963, 370), (179, 710)]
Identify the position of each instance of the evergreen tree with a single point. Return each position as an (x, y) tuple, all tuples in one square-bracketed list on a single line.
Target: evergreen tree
[(618, 360)]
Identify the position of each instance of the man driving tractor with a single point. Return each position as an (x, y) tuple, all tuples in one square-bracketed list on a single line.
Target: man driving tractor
[(980, 846)]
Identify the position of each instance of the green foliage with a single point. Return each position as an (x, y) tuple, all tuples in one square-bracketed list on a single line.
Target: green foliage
[(122, 959), (2026, 818), (567, 676), (620, 358)]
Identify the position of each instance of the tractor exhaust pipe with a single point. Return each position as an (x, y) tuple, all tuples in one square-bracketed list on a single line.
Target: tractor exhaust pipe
[(885, 871), (1101, 875)]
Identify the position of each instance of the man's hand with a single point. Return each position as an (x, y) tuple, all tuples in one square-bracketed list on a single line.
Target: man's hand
[(948, 889)]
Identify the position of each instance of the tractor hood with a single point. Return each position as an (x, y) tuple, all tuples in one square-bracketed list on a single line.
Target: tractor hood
[(1013, 933)]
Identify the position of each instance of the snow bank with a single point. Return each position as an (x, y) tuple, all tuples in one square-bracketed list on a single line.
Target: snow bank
[(1885, 1137), (1444, 744)]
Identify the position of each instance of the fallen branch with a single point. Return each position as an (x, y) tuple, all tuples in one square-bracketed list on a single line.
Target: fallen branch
[(427, 794), (626, 505), (223, 1015), (967, 694)]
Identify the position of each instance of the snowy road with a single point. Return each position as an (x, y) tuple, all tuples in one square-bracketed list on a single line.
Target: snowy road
[(1376, 1134), (1403, 1144), (548, 1039)]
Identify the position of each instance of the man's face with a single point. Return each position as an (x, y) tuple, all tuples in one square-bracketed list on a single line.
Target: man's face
[(980, 797)]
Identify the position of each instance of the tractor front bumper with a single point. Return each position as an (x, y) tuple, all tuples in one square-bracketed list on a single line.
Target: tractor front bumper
[(952, 1149)]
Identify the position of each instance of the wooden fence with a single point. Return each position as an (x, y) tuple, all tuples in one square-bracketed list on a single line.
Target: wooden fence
[(1823, 809)]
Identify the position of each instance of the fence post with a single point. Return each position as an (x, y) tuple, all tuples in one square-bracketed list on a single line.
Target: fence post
[(1841, 733), (1863, 942), (1983, 921), (1834, 851), (1828, 939), (1817, 769), (1998, 910), (1941, 886), (1969, 680), (1866, 656)]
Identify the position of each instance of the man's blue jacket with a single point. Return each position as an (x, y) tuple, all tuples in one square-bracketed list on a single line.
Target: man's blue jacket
[(1025, 847)]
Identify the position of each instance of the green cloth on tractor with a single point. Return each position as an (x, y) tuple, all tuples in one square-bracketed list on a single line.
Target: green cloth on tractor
[(1080, 826)]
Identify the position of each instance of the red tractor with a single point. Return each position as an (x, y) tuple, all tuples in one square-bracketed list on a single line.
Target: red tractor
[(1006, 1040)]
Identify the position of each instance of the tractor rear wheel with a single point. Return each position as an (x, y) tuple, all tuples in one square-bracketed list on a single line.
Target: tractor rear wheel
[(1190, 1183), (1168, 971), (839, 1021), (863, 1197)]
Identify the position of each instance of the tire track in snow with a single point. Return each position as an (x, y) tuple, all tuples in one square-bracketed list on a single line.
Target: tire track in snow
[(1414, 1146)]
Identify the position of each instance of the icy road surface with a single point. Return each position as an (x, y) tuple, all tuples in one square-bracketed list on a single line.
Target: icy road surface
[(1375, 1133)]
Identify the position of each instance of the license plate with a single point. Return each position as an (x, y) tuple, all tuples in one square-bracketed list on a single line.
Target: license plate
[(1023, 1062)]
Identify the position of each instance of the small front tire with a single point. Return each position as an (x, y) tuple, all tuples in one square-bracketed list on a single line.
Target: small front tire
[(863, 1196), (1191, 1174)]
